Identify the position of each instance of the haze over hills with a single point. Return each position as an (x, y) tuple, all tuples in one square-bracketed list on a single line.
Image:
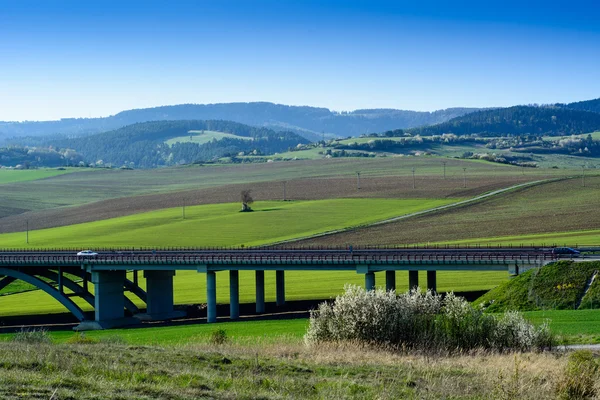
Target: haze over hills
[(310, 122), (168, 141)]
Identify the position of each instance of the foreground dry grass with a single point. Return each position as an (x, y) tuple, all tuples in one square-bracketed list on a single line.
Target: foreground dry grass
[(268, 371)]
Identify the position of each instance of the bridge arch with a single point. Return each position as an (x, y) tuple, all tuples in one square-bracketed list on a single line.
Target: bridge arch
[(40, 284)]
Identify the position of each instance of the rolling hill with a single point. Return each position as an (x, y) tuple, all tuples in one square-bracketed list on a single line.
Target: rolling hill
[(588, 105), (518, 120), (145, 144), (309, 122)]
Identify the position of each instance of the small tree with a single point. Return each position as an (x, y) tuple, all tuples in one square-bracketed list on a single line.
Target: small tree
[(246, 200)]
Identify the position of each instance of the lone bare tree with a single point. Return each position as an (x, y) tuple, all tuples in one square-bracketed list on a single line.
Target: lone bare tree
[(246, 200)]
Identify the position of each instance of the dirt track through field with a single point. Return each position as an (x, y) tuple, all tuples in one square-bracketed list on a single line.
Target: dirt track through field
[(297, 189)]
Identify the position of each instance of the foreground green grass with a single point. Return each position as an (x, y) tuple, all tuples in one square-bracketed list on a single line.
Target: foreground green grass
[(13, 176), (270, 331), (223, 224), (573, 326)]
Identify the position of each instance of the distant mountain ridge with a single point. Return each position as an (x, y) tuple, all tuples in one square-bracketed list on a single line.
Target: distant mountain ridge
[(307, 121)]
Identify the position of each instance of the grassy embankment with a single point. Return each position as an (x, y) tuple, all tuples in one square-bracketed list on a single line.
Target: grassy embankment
[(557, 286), (558, 292)]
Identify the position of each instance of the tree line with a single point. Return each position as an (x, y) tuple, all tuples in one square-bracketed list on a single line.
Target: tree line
[(518, 120)]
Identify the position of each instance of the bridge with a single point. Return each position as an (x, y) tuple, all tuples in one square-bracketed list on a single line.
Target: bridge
[(54, 271)]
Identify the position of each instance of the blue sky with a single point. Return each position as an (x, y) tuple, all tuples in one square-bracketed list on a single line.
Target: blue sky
[(79, 59)]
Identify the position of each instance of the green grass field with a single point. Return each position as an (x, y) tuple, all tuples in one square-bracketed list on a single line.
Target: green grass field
[(576, 326), (571, 238), (201, 137), (89, 186), (190, 288), (310, 154), (580, 326), (13, 175), (242, 331), (595, 136), (223, 224)]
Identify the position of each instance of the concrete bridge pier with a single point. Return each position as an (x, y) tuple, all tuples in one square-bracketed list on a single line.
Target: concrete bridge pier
[(390, 280), (211, 296), (159, 296), (432, 280), (109, 302), (234, 294), (370, 281), (280, 287), (260, 291), (413, 279)]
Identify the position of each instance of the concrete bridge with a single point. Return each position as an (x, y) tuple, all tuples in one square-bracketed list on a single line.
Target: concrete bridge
[(55, 271)]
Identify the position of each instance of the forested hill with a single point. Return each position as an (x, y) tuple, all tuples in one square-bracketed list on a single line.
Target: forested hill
[(143, 145), (589, 105), (307, 121), (554, 121)]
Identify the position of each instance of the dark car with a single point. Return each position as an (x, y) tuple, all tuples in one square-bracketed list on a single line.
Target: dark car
[(565, 252)]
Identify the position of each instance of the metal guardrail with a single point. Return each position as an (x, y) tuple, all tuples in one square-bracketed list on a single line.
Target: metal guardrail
[(306, 248), (287, 257)]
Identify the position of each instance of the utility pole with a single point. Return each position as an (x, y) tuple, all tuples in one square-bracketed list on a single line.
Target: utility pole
[(284, 197), (413, 173), (464, 177), (583, 175), (27, 231), (444, 162), (358, 180)]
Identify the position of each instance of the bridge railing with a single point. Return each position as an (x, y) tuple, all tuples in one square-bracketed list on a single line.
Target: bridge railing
[(241, 248)]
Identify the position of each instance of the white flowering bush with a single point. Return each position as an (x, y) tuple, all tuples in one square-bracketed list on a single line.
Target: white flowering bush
[(421, 320)]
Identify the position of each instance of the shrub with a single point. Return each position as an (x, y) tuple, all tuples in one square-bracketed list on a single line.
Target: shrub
[(32, 336), (218, 337), (580, 377), (422, 321)]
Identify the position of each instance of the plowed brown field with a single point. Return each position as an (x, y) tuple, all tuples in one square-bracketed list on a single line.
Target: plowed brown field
[(297, 189), (552, 207)]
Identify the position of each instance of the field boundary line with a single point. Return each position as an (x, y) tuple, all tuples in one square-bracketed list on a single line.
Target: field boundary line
[(433, 210)]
